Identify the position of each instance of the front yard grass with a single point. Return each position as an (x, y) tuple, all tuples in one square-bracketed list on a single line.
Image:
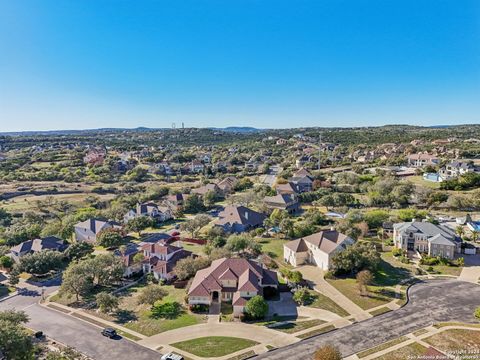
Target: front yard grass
[(444, 269), (412, 351), (378, 295), (380, 311), (381, 347), (296, 326), (137, 317), (456, 339), (316, 332), (214, 346), (324, 302)]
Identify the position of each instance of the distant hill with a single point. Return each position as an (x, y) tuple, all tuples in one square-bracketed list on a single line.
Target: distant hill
[(237, 129)]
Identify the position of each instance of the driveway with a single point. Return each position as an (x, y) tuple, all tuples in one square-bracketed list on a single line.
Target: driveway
[(283, 307), (430, 302), (76, 333), (471, 270), (314, 275)]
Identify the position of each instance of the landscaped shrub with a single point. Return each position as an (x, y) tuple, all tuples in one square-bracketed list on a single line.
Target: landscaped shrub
[(256, 308), (397, 252), (428, 260), (199, 308), (404, 259), (168, 310), (477, 313)]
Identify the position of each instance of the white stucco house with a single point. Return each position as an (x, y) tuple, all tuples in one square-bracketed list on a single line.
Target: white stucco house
[(316, 249)]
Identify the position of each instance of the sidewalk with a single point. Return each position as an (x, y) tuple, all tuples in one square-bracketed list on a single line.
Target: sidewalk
[(315, 275)]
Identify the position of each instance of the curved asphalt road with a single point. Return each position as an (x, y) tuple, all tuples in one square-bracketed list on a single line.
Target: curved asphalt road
[(79, 334), (430, 302)]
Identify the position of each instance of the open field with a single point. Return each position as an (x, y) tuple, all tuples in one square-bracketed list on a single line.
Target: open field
[(29, 202)]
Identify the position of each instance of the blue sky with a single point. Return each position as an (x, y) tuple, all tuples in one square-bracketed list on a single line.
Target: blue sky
[(95, 63)]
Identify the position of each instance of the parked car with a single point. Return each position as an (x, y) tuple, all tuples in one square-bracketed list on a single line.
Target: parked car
[(172, 356), (109, 332)]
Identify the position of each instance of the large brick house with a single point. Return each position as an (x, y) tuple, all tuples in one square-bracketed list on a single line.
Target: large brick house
[(231, 280), (425, 237)]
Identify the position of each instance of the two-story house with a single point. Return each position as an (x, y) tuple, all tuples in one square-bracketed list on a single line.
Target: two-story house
[(425, 237), (51, 243), (238, 219), (285, 202), (156, 212), (160, 259), (231, 280), (421, 160), (316, 249), (89, 229)]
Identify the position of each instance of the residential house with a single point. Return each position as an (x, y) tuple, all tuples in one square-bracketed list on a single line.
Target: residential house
[(231, 280), (425, 237), (176, 201), (95, 157), (285, 202), (227, 185), (161, 258), (302, 183), (301, 161), (457, 168), (238, 219), (150, 209), (202, 190), (196, 167), (32, 246), (317, 249), (127, 256), (288, 188), (422, 160), (89, 229)]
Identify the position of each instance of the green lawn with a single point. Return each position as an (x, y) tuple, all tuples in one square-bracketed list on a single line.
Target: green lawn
[(214, 346), (418, 180), (273, 247), (324, 302), (391, 271), (137, 317), (444, 269), (377, 296)]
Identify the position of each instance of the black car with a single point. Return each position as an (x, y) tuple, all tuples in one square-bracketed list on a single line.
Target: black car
[(109, 332)]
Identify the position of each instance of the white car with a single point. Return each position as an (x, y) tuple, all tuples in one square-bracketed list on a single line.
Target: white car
[(172, 356)]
